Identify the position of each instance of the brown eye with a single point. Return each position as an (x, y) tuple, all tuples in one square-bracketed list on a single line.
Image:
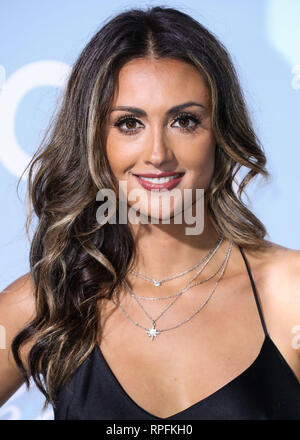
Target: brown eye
[(130, 123), (184, 121), (187, 122)]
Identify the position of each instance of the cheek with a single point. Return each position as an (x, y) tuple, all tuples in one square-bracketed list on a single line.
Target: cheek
[(118, 156), (199, 158)]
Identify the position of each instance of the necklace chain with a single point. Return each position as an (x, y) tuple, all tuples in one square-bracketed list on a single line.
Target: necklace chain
[(153, 332), (158, 283), (186, 288), (208, 258)]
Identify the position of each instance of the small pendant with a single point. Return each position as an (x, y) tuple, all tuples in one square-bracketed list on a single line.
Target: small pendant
[(152, 332), (157, 283)]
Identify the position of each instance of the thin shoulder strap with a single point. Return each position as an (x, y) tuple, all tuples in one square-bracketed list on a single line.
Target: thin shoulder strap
[(254, 291)]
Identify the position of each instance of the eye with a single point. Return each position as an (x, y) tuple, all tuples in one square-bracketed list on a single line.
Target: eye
[(127, 124), (188, 122)]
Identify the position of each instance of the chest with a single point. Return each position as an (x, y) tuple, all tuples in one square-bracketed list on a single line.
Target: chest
[(185, 365)]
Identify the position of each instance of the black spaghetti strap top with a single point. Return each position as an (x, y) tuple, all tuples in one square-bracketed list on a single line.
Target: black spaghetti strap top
[(267, 390)]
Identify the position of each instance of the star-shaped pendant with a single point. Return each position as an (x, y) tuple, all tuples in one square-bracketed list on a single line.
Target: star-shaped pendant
[(152, 332), (157, 283)]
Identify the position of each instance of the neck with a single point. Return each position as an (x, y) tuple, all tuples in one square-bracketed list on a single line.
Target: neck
[(165, 249)]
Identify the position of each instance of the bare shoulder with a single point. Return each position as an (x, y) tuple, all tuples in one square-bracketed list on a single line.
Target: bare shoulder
[(279, 269), (20, 294), (283, 282), (276, 273), (275, 263), (17, 309)]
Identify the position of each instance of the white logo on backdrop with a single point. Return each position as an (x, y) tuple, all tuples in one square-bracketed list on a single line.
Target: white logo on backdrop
[(282, 25), (296, 77), (2, 77), (14, 88), (15, 408)]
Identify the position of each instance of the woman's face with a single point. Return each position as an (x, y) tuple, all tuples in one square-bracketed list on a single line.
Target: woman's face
[(160, 121)]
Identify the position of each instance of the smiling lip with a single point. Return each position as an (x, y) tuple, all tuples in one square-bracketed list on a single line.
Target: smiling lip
[(158, 175), (165, 186)]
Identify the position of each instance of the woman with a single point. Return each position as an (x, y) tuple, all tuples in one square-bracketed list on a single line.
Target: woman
[(142, 319)]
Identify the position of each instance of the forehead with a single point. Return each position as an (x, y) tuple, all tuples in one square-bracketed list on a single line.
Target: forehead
[(165, 79)]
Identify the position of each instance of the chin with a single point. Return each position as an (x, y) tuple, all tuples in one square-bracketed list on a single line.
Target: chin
[(152, 215)]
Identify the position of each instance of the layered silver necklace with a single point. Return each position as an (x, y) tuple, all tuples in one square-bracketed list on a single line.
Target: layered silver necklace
[(153, 332), (176, 295), (158, 283)]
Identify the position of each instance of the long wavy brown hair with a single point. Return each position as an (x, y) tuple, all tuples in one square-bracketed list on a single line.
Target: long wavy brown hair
[(74, 260)]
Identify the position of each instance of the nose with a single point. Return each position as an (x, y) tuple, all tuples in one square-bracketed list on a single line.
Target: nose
[(157, 152)]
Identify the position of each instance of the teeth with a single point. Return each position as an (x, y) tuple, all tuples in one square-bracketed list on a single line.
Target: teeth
[(159, 180)]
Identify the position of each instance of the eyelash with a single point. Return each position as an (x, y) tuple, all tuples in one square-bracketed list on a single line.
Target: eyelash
[(130, 116)]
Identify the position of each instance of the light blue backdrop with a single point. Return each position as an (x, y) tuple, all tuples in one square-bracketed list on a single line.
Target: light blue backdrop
[(39, 41)]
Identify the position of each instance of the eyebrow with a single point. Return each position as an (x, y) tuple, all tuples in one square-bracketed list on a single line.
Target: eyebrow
[(171, 111)]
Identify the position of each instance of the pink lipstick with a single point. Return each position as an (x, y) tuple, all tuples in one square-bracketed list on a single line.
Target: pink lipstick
[(164, 181)]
